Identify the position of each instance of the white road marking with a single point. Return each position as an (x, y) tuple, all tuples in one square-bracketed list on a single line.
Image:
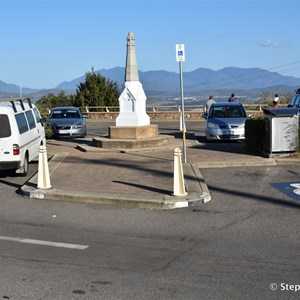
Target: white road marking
[(45, 243), (297, 186)]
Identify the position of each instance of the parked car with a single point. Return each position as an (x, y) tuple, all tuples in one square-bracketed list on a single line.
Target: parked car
[(67, 121), (295, 101), (226, 121), (21, 134)]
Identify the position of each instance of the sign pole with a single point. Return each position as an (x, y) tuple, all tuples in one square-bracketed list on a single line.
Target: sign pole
[(180, 57), (182, 112)]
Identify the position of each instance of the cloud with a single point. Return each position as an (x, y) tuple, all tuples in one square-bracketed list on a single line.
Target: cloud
[(268, 43)]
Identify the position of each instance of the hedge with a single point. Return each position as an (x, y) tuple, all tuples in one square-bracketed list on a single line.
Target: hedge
[(254, 134)]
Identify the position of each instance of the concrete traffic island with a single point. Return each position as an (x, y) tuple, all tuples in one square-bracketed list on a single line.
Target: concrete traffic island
[(132, 180), (198, 192)]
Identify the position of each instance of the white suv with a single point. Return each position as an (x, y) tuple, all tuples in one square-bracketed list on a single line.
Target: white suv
[(21, 134)]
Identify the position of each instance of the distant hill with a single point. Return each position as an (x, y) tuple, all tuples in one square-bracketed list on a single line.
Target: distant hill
[(197, 80), (115, 74), (250, 81), (14, 89)]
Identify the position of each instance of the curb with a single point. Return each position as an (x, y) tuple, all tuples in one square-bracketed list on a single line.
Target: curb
[(197, 192), (249, 163)]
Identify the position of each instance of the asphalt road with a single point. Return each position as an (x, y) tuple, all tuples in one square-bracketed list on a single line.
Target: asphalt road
[(243, 244)]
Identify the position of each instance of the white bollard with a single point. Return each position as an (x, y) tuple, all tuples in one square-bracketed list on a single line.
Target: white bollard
[(178, 183), (43, 171)]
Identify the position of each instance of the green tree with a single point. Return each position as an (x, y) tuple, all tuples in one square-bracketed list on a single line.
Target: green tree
[(96, 90), (51, 100), (112, 94)]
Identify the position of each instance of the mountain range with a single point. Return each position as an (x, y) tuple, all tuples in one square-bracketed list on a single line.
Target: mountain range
[(199, 81)]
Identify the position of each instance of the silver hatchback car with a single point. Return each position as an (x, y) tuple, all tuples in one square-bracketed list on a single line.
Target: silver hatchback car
[(226, 121), (67, 121)]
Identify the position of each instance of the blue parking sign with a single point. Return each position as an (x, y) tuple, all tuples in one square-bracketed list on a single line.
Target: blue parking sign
[(180, 53)]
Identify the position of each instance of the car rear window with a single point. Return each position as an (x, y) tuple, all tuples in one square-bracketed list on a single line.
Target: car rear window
[(5, 130)]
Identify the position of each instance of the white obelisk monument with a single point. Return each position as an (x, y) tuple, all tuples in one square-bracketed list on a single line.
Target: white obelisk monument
[(133, 99), (133, 129)]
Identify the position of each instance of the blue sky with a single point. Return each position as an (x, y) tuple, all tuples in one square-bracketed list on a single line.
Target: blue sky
[(45, 42)]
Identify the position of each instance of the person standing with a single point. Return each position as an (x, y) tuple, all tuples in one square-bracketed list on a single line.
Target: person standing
[(276, 101), (208, 104), (232, 98)]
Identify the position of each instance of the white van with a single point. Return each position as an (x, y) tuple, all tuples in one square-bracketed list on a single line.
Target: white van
[(21, 134)]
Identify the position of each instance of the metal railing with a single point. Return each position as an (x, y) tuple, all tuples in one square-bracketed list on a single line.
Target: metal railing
[(250, 107), (170, 108)]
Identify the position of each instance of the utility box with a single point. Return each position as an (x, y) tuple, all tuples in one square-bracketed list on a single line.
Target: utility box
[(281, 130)]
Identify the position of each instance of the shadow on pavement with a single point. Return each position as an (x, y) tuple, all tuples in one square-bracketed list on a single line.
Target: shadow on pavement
[(223, 146), (271, 200), (144, 187)]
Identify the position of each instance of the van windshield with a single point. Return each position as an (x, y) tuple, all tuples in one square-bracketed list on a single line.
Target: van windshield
[(5, 126)]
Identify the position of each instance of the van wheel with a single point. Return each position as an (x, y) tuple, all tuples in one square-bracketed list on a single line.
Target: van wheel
[(24, 169)]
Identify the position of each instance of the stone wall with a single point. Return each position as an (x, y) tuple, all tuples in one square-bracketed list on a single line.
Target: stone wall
[(175, 115)]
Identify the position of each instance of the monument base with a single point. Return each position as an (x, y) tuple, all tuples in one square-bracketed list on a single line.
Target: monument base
[(133, 132), (132, 137), (142, 143)]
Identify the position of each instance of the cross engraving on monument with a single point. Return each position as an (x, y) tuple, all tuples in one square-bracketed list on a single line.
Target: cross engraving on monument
[(129, 105)]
